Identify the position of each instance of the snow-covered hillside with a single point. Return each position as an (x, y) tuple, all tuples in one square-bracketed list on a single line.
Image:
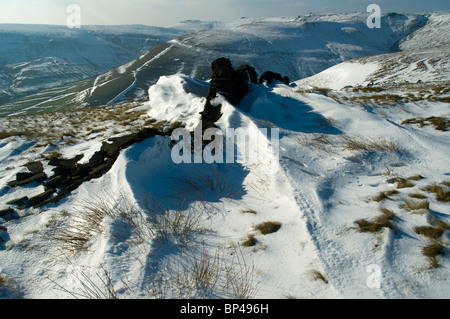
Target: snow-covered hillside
[(352, 204), (37, 57), (296, 47), (406, 68)]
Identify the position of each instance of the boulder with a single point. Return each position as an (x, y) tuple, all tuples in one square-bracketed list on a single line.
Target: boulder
[(252, 76), (24, 176), (19, 201), (55, 181), (8, 213), (101, 169), (35, 167), (232, 84), (38, 199), (97, 159), (34, 178), (112, 149), (270, 76), (3, 234), (66, 163)]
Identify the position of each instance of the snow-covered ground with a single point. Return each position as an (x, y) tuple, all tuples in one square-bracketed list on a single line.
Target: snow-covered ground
[(167, 230)]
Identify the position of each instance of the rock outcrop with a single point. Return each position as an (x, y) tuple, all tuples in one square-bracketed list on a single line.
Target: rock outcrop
[(225, 80), (233, 85), (270, 76), (69, 174)]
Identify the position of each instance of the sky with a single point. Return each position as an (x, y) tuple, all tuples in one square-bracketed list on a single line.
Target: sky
[(165, 13)]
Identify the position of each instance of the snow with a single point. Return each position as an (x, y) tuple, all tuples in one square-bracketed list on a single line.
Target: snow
[(341, 75), (178, 98), (321, 187)]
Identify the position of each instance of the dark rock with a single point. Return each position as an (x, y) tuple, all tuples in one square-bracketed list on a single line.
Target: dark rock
[(232, 84), (55, 181), (97, 159), (227, 81), (3, 236), (113, 149), (269, 77), (8, 213), (252, 76), (35, 178), (19, 201), (65, 166), (52, 200), (71, 187), (150, 132), (35, 167), (66, 163), (23, 176), (101, 169), (38, 199)]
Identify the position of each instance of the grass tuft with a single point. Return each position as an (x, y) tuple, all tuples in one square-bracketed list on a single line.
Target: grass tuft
[(429, 231), (317, 275), (403, 183), (268, 227), (358, 143), (384, 195), (380, 222), (250, 241), (417, 196), (441, 194), (248, 211), (416, 206)]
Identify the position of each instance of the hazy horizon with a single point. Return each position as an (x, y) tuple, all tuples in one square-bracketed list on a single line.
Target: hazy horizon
[(161, 13)]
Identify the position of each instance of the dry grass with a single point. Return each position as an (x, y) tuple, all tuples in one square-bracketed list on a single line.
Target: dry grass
[(380, 222), (415, 177), (417, 196), (404, 183), (87, 223), (210, 184), (86, 287), (440, 193), (73, 126), (445, 183), (180, 226), (314, 140), (384, 195), (202, 275), (268, 227), (358, 143), (9, 288), (428, 231), (433, 232), (416, 205), (432, 251), (440, 123), (250, 241), (317, 275)]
